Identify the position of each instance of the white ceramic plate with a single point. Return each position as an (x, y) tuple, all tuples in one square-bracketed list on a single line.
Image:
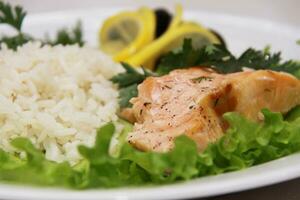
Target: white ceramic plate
[(240, 33)]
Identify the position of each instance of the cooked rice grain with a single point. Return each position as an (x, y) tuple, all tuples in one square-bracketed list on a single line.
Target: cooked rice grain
[(55, 96)]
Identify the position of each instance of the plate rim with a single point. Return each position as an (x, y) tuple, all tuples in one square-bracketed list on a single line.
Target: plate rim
[(245, 179), (174, 191)]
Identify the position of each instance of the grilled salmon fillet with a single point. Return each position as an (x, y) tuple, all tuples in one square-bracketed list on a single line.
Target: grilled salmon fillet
[(192, 102)]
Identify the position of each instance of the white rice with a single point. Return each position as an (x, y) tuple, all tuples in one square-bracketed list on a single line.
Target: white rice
[(55, 96)]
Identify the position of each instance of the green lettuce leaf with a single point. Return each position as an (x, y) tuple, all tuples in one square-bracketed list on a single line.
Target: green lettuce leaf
[(245, 144), (293, 114), (36, 169)]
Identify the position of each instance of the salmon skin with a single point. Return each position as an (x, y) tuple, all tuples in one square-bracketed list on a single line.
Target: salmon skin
[(192, 102)]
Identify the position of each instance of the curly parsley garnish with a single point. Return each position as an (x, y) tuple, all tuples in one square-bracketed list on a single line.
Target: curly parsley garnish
[(201, 78), (14, 17), (66, 36), (222, 60), (128, 82)]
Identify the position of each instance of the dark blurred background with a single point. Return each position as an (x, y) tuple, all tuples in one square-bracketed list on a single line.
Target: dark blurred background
[(289, 190)]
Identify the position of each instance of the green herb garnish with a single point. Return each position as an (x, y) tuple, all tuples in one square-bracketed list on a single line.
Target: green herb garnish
[(201, 78), (12, 42), (65, 36), (222, 60), (14, 17), (128, 81)]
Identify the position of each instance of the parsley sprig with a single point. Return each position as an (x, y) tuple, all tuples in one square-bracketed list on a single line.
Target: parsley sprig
[(14, 17), (66, 36), (201, 78), (128, 82), (222, 60)]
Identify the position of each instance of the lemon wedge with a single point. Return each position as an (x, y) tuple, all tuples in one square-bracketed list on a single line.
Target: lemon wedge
[(130, 36), (170, 40), (124, 34), (177, 18)]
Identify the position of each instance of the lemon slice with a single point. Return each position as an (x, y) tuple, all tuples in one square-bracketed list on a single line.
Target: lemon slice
[(177, 18), (171, 40), (176, 21), (125, 33)]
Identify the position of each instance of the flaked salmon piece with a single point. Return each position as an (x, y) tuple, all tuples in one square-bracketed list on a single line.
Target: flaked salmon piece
[(192, 102), (277, 91)]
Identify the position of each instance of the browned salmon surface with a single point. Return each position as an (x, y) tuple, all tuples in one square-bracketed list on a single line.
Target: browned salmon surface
[(192, 102)]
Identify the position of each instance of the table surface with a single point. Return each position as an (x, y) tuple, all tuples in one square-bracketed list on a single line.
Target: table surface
[(283, 191), (282, 11)]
